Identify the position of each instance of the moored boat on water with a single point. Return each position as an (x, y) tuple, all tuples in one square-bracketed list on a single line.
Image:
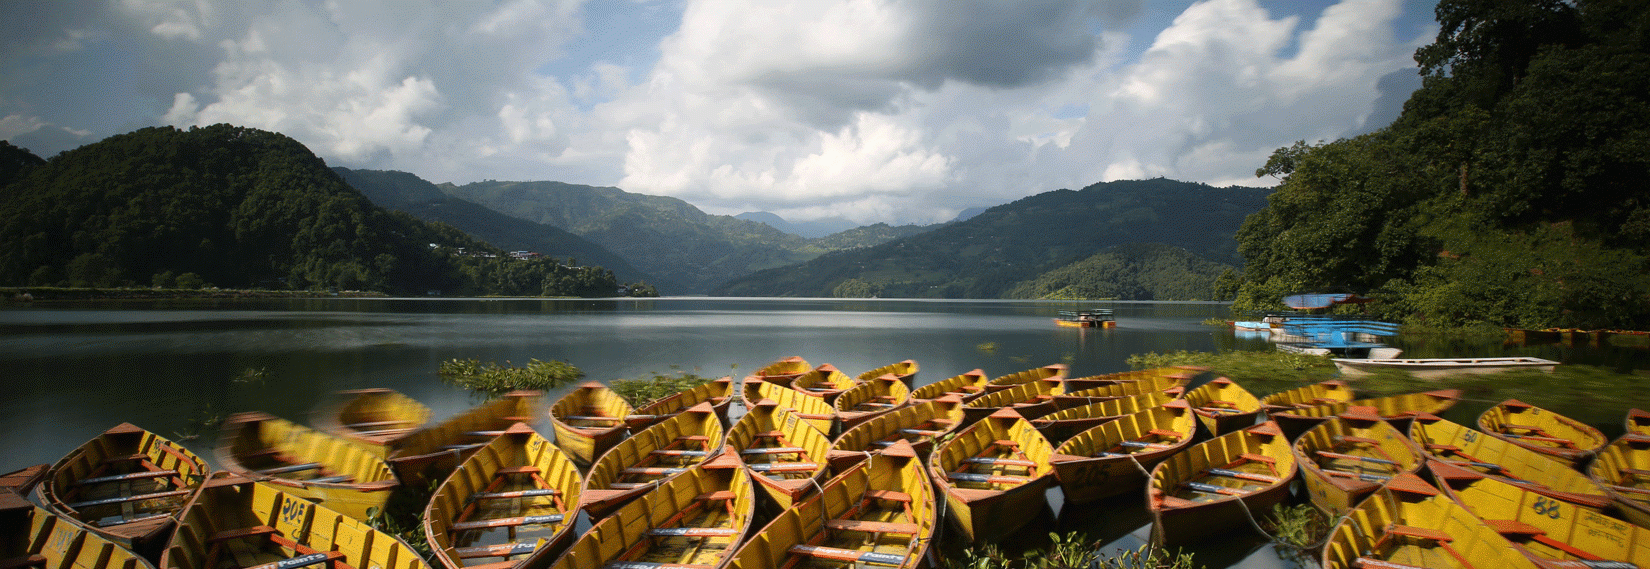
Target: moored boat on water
[(1030, 399), (126, 484), (906, 371), (1347, 458), (650, 457), (514, 500), (430, 453), (238, 522), (1409, 524), (1552, 533), (811, 409), (1096, 318), (305, 463), (919, 424), (1063, 424), (1107, 392), (1195, 493), (966, 386), (1114, 458), (1325, 392), (1053, 371), (870, 398), (825, 382), (785, 454), (1223, 406), (1622, 469), (696, 519), (1637, 422), (784, 370), (1435, 368), (375, 418), (1162, 378), (880, 512), (717, 392), (992, 475), (589, 420), (1396, 409), (1542, 431), (35, 537), (1461, 446)]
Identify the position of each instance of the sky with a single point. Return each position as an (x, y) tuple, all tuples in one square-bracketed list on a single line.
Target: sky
[(899, 111)]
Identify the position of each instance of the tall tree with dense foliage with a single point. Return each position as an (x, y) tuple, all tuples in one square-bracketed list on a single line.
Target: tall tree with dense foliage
[(1511, 191)]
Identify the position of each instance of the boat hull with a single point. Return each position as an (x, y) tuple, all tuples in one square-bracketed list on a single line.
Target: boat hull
[(1400, 529), (987, 506), (698, 518), (1542, 431), (374, 418), (306, 463), (34, 534), (1398, 410), (514, 491), (101, 485), (1193, 495), (1439, 368), (1345, 459), (1615, 470), (651, 457), (1101, 462), (431, 453)]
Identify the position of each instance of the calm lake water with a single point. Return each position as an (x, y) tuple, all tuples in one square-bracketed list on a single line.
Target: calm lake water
[(73, 370)]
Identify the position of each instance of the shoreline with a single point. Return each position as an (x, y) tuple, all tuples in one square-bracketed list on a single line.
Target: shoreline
[(50, 294)]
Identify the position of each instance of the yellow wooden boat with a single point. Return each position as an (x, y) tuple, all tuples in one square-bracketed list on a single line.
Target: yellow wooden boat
[(1347, 458), (873, 397), (992, 475), (1054, 371), (1550, 532), (694, 520), (919, 424), (825, 382), (718, 392), (1114, 457), (785, 454), (906, 371), (1333, 391), (1165, 376), (127, 484), (305, 463), (375, 418), (878, 513), (1031, 399), (1063, 424), (784, 370), (1458, 445), (23, 480), (1637, 422), (1411, 525), (1215, 486), (37, 538), (811, 409), (1148, 384), (656, 454), (1542, 431), (588, 421), (1396, 409), (513, 502), (431, 453), (966, 386), (1622, 469), (1223, 406), (237, 522)]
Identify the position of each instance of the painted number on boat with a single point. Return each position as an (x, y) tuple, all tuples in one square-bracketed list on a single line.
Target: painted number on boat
[(293, 511), (1546, 507), (1469, 436)]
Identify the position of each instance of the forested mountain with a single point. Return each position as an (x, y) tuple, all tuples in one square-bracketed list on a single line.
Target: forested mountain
[(1510, 192), (406, 192), (237, 207), (994, 253), (809, 229), (1137, 271)]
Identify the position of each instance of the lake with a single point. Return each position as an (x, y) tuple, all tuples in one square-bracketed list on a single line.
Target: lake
[(72, 370)]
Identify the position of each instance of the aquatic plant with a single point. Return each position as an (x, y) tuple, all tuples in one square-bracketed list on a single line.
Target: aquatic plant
[(402, 517), (649, 388), (495, 380), (1071, 551), (1297, 531)]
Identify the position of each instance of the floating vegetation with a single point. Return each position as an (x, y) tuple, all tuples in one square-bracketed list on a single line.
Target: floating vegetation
[(495, 380), (643, 390), (402, 516), (987, 348), (1297, 531), (252, 376), (1071, 551)]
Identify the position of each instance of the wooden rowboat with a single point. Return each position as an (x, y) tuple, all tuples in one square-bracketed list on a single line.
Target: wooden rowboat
[(1115, 457), (811, 409), (1549, 532), (588, 421), (1054, 371), (694, 520), (1333, 391), (785, 454), (1542, 431), (1165, 376), (305, 463), (966, 386), (879, 513), (1148, 384), (1223, 406), (1411, 525), (1030, 399), (35, 537), (128, 485), (825, 382), (1637, 422), (374, 418), (431, 453), (1216, 486), (906, 371), (1347, 458), (1061, 425), (919, 424), (1439, 368), (650, 457), (1458, 445), (718, 392), (784, 370), (513, 502), (1396, 409), (23, 480), (237, 522), (1622, 469), (992, 475), (873, 397)]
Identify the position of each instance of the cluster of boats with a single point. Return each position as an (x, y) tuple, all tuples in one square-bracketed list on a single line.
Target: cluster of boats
[(826, 469)]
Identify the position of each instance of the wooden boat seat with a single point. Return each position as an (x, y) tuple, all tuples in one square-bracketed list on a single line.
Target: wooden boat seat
[(1339, 456), (1372, 563), (890, 495), (784, 467), (500, 550), (864, 526), (650, 471), (677, 452), (692, 532), (999, 461), (849, 555), (291, 468), (1165, 433), (304, 560), (532, 493), (716, 496), (774, 450), (769, 435), (630, 485), (31, 560), (986, 478), (507, 522), (1423, 533), (1240, 475), (1365, 476), (508, 470), (132, 498), (1213, 489), (643, 565), (126, 477), (1005, 443), (920, 432), (1251, 457)]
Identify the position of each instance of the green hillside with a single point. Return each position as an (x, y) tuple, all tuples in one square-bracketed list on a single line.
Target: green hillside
[(991, 254), (1138, 271)]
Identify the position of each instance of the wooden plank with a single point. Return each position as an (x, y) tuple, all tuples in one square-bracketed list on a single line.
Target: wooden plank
[(849, 555), (533, 493), (1240, 475), (501, 550), (692, 532), (1372, 563), (254, 531), (31, 560), (873, 527), (890, 495), (508, 522), (302, 560), (1339, 456), (132, 498), (291, 468), (127, 476), (1423, 533)]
